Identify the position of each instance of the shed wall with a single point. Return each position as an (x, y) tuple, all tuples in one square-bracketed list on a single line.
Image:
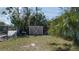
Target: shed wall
[(35, 30)]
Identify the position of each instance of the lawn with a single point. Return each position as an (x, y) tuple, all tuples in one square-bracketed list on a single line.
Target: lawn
[(37, 43)]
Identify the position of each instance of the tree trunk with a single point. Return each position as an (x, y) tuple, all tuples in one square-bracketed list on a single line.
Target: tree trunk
[(76, 41)]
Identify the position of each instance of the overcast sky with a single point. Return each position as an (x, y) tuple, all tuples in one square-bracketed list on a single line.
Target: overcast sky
[(50, 12)]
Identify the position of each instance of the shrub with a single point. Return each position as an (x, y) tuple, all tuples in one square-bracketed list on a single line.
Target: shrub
[(63, 48), (66, 44), (52, 43), (50, 32)]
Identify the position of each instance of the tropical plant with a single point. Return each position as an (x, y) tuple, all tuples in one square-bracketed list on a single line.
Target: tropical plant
[(23, 17), (67, 25)]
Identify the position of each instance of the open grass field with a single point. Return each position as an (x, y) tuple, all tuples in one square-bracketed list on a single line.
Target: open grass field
[(37, 43)]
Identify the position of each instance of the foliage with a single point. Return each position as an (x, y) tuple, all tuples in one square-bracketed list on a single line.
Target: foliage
[(2, 24), (23, 17), (66, 25), (3, 28)]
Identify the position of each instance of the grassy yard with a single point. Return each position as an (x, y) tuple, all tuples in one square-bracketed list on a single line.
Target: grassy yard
[(37, 43)]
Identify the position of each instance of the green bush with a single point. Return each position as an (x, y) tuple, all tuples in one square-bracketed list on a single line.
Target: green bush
[(63, 48), (50, 32), (52, 43)]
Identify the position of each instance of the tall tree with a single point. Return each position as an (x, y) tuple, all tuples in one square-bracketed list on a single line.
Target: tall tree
[(24, 17)]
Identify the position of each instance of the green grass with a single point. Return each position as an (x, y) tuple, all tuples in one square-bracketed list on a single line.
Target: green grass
[(42, 43)]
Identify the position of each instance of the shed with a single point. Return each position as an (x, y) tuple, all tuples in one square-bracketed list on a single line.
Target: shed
[(35, 30)]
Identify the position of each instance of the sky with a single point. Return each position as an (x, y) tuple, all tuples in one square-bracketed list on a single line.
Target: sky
[(50, 12)]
